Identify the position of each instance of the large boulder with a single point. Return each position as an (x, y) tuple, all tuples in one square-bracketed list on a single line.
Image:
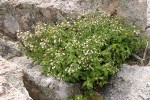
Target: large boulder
[(41, 87), (130, 83), (22, 14), (11, 82), (135, 11)]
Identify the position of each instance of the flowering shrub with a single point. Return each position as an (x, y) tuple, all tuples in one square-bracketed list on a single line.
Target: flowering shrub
[(87, 49)]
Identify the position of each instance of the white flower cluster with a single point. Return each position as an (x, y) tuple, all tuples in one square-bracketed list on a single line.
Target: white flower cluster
[(39, 28), (74, 48)]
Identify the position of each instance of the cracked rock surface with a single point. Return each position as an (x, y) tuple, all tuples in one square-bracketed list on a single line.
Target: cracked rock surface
[(47, 88), (130, 83), (11, 82)]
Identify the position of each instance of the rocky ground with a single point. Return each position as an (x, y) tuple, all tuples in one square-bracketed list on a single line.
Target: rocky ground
[(19, 77), (22, 14), (11, 82)]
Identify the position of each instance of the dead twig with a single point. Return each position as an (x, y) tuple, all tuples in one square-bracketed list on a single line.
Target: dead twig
[(145, 51), (138, 58)]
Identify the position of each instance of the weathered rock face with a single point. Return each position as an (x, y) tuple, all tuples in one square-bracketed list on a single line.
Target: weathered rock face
[(22, 14), (8, 49), (131, 83), (134, 11), (41, 87), (148, 12), (11, 82)]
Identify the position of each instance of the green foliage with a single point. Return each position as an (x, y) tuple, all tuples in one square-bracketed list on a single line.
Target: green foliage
[(85, 97), (78, 97), (86, 49)]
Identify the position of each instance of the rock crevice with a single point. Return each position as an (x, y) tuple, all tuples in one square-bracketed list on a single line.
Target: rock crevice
[(11, 83), (47, 88)]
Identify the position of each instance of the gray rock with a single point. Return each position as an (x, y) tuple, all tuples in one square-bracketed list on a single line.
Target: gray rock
[(22, 14), (8, 49), (11, 23), (11, 82), (41, 87), (148, 12), (134, 11), (130, 83)]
